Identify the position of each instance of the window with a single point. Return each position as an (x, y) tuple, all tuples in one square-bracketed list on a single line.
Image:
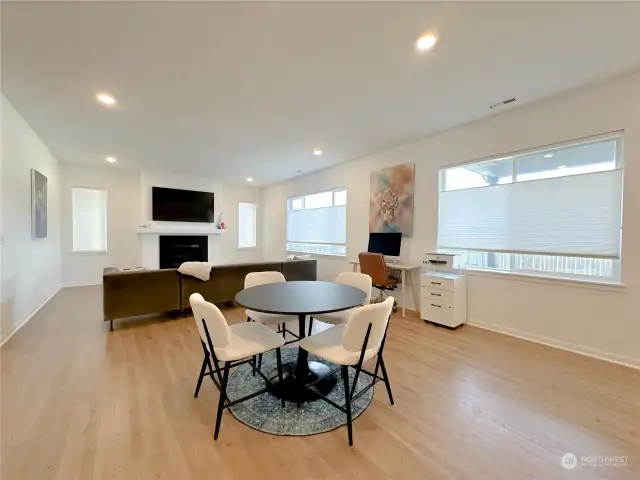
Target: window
[(89, 213), (247, 225), (555, 211), (317, 223)]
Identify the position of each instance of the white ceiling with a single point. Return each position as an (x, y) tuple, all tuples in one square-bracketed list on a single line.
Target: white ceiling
[(230, 90)]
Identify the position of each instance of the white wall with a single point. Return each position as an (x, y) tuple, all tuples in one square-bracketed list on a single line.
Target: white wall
[(129, 205), (223, 249), (30, 267), (604, 323), (124, 200)]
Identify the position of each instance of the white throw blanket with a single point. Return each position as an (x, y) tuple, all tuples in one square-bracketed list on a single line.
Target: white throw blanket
[(200, 270)]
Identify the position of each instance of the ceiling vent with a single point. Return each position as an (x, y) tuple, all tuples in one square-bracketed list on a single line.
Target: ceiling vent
[(502, 103)]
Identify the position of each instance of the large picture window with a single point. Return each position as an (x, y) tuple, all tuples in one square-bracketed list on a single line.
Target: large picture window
[(555, 210), (317, 223)]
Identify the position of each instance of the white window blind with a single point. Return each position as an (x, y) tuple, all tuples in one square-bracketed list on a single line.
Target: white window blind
[(247, 225), (577, 215), (89, 212), (317, 223)]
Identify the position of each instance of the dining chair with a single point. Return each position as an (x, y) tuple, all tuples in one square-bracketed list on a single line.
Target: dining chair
[(230, 346), (254, 279), (355, 279), (350, 345)]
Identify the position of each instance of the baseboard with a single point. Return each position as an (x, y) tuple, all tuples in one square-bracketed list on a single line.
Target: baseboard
[(551, 342), (82, 285), (33, 314)]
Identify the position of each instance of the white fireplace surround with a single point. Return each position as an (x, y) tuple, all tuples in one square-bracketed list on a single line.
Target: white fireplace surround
[(150, 233)]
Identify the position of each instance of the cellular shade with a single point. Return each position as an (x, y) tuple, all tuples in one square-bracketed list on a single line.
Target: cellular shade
[(577, 215), (317, 225)]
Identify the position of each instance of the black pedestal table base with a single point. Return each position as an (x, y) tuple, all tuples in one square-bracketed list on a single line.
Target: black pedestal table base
[(292, 389)]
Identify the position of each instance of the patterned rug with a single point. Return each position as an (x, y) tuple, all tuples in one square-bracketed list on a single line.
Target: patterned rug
[(265, 413)]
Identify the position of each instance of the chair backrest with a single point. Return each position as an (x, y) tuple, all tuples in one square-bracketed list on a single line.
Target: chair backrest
[(213, 317), (373, 265), (358, 280), (254, 279), (355, 330)]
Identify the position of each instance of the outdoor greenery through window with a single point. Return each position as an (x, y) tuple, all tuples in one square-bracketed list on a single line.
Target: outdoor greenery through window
[(554, 211), (317, 223)]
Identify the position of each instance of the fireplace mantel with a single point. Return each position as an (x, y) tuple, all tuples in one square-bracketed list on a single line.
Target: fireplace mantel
[(178, 230)]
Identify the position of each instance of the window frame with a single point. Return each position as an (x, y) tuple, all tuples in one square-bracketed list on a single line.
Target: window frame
[(616, 267), (106, 222), (255, 226), (289, 208)]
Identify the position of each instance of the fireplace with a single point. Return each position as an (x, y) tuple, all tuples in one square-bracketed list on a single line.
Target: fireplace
[(177, 249)]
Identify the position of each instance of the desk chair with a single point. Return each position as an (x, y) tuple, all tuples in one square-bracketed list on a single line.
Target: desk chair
[(373, 264)]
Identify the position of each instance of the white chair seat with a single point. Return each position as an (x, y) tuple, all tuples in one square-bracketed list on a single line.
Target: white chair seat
[(335, 318), (248, 339), (270, 318), (328, 345)]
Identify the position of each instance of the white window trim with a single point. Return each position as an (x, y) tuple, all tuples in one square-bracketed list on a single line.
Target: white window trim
[(104, 251), (613, 283), (301, 197), (596, 283), (255, 247)]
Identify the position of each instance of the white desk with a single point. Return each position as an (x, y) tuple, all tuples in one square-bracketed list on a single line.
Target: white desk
[(404, 270)]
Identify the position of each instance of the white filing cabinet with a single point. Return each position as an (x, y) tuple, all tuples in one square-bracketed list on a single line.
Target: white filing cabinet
[(443, 298)]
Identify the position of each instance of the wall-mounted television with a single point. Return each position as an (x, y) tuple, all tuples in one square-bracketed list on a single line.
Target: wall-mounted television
[(173, 205)]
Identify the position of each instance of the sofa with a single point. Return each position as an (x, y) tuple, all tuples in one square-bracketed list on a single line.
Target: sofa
[(131, 293)]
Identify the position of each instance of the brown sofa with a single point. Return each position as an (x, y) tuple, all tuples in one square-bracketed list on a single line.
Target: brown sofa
[(143, 292)]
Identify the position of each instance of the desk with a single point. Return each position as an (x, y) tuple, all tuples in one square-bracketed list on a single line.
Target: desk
[(404, 270)]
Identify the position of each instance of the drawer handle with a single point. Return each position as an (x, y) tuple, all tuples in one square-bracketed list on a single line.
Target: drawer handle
[(435, 294), (434, 305), (436, 283)]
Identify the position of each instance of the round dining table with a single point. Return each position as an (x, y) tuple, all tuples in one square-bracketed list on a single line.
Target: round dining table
[(302, 299)]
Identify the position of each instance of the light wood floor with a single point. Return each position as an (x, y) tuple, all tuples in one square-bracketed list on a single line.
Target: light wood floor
[(80, 402)]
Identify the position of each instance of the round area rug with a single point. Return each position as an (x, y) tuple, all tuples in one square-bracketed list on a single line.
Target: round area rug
[(266, 414)]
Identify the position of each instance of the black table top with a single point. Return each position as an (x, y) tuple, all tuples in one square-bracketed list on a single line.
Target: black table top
[(296, 298)]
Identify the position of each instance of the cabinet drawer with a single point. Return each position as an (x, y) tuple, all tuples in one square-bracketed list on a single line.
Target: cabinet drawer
[(438, 283), (438, 312), (437, 296)]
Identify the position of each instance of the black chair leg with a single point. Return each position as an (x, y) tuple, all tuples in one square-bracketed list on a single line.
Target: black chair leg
[(111, 325), (223, 395), (260, 362), (284, 331), (201, 376), (347, 397), (279, 360), (310, 325), (253, 365), (386, 379)]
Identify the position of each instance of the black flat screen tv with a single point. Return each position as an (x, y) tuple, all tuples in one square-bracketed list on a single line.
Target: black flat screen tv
[(173, 205)]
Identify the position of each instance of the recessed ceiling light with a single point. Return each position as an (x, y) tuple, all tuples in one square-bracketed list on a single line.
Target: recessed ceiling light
[(249, 179), (425, 42), (548, 155), (111, 159), (317, 152), (106, 99)]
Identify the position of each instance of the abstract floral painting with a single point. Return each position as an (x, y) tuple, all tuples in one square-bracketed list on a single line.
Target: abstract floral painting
[(391, 201), (38, 205)]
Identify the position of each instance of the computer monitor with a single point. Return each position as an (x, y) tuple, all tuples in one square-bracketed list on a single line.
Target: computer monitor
[(388, 244)]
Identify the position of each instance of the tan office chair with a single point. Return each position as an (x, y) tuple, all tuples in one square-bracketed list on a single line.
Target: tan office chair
[(382, 277)]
